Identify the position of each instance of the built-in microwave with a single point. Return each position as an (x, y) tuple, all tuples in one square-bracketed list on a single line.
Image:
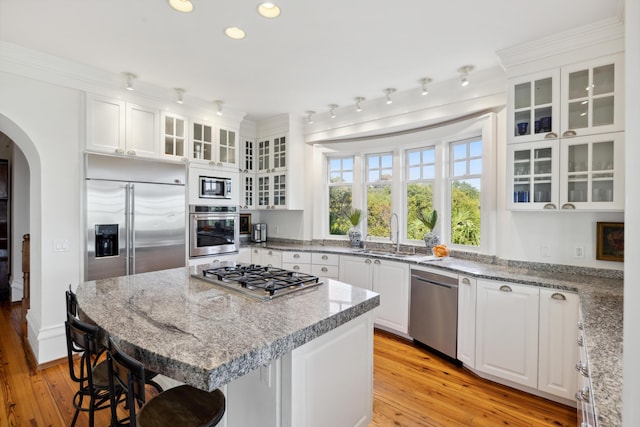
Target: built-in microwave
[(212, 187)]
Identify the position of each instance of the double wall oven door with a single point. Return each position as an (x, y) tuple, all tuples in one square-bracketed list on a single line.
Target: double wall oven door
[(213, 234)]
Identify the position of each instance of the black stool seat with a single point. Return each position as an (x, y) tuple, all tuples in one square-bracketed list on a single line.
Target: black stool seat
[(183, 406)]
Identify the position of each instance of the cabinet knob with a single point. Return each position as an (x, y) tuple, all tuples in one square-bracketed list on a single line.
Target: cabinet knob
[(367, 261), (558, 296), (131, 152), (551, 135), (324, 269), (466, 281), (325, 257), (270, 253), (212, 163), (570, 132), (296, 255), (580, 326), (219, 163), (580, 341), (505, 288), (376, 261), (119, 151), (568, 206), (296, 267)]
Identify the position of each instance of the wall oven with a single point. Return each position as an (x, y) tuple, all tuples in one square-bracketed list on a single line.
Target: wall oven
[(213, 230)]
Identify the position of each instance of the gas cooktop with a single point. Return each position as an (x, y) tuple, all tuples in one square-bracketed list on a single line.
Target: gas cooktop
[(260, 282)]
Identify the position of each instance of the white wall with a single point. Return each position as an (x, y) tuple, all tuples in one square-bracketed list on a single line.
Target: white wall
[(19, 218), (46, 122)]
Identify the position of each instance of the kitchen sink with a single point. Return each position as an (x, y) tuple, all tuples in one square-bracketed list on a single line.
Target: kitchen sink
[(384, 253)]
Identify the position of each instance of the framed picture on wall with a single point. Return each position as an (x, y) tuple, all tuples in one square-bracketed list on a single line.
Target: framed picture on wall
[(245, 223), (610, 241)]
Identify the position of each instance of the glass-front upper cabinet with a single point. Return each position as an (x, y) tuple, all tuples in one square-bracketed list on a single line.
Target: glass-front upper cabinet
[(247, 155), (203, 140), (592, 172), (532, 171), (534, 102), (227, 148), (175, 138), (592, 97)]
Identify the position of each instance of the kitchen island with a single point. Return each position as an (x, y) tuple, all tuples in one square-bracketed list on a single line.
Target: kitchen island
[(309, 353)]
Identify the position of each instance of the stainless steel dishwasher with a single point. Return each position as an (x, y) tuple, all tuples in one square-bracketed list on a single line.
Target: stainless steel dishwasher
[(433, 314)]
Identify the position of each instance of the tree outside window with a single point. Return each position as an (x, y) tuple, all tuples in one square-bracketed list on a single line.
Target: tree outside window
[(420, 174), (379, 178), (340, 194), (466, 184)]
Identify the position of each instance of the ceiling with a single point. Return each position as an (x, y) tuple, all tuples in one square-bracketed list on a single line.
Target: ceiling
[(316, 53)]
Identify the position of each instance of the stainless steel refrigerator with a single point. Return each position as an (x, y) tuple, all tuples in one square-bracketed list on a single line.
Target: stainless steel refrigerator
[(136, 216)]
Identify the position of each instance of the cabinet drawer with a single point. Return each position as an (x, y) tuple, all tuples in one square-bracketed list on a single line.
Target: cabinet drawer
[(297, 266), (330, 271), (325, 259), (296, 257)]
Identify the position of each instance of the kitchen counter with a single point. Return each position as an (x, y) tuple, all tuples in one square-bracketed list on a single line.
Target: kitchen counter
[(601, 303), (206, 336)]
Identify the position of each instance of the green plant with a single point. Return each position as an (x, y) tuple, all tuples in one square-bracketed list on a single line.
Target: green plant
[(428, 219), (354, 216)]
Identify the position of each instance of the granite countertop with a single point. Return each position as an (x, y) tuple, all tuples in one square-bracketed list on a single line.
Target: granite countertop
[(206, 336), (601, 304)]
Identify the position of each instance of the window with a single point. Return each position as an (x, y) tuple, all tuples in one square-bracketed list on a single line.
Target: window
[(465, 186), (340, 194), (379, 178), (420, 175)]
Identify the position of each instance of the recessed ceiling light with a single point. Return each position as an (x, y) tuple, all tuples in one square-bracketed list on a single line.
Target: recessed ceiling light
[(181, 5), (268, 10), (235, 33)]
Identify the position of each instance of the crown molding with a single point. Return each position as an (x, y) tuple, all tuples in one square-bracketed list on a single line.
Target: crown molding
[(29, 63), (608, 32)]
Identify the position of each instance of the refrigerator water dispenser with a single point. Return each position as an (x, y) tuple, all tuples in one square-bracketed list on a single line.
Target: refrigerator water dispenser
[(106, 240)]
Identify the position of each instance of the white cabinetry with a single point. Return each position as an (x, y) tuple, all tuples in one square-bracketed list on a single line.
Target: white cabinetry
[(254, 399), (388, 278), (315, 392), (247, 174), (532, 174), (263, 256), (175, 136), (558, 335), (297, 261), (467, 320), (325, 265), (507, 331), (119, 127), (214, 145)]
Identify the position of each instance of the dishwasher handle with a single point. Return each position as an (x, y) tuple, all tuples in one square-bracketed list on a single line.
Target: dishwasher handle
[(433, 282)]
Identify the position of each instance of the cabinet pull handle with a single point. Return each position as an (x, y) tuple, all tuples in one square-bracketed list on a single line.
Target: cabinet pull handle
[(583, 395), (551, 135), (296, 255), (325, 257), (367, 261), (570, 132), (583, 369), (568, 206), (119, 151), (549, 206), (580, 341), (505, 288), (580, 327), (466, 281), (296, 267), (255, 251), (376, 261), (131, 153), (558, 296), (270, 253), (324, 269)]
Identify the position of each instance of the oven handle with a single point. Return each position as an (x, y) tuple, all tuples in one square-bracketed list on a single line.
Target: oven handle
[(205, 216)]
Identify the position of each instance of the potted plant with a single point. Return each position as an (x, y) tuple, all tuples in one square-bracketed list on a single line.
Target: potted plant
[(355, 235), (429, 220)]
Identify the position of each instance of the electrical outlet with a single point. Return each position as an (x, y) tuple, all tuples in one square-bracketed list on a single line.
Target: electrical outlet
[(545, 251), (578, 252)]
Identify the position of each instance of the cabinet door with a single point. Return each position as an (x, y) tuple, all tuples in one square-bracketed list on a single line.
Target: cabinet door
[(558, 334), (534, 102), (247, 155), (271, 257), (264, 156), (105, 124), (592, 97), (279, 190), (533, 175), (356, 271), (142, 131), (264, 191), (227, 152), (279, 156), (247, 191), (391, 281), (244, 255), (203, 142), (592, 172), (467, 320), (507, 331), (175, 137)]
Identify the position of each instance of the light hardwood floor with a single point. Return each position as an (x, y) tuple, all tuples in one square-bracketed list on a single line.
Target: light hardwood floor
[(411, 388)]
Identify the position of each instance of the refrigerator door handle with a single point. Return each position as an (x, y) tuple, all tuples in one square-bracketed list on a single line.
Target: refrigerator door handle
[(131, 235)]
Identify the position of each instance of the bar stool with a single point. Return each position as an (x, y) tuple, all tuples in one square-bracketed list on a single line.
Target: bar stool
[(91, 375), (182, 406)]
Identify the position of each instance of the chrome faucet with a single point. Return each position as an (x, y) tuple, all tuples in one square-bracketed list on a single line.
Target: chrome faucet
[(393, 214)]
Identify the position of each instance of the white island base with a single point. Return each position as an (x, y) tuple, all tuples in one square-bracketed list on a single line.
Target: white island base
[(325, 382)]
